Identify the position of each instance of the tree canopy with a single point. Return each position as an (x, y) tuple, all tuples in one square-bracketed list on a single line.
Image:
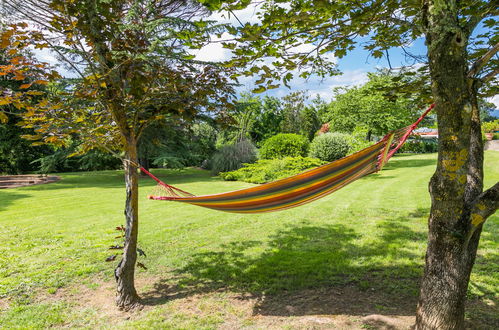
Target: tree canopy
[(378, 106)]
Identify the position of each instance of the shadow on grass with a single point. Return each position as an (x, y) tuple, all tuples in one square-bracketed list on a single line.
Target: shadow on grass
[(400, 161), (9, 196), (307, 269)]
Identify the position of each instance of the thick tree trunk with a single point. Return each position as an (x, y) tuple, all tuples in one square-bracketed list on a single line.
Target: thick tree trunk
[(458, 178), (445, 282), (126, 295)]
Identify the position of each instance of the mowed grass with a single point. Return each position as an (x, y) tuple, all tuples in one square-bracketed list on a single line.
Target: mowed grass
[(369, 237)]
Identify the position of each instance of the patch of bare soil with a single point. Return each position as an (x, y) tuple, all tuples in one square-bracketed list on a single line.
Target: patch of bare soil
[(340, 308), (4, 304), (99, 297), (345, 307)]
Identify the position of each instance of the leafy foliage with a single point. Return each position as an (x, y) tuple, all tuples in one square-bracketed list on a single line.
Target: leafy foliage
[(327, 30), (284, 145), (98, 160), (67, 159), (330, 146), (268, 120), (23, 76), (17, 154), (293, 104), (231, 157), (376, 106), (309, 122), (358, 139), (267, 170), (419, 146), (121, 88), (173, 143), (491, 126)]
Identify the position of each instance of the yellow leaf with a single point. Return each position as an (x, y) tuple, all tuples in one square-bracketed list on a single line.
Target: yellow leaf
[(31, 137), (103, 84), (6, 38), (5, 100), (40, 82), (25, 86), (3, 117), (34, 92)]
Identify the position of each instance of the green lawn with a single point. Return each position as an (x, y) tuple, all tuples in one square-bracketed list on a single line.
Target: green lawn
[(358, 251)]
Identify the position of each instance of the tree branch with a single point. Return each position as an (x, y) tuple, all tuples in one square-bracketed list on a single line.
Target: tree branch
[(480, 63), (490, 75), (485, 205)]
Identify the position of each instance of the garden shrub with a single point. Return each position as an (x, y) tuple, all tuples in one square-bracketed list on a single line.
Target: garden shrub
[(97, 160), (495, 136), (231, 157), (490, 126), (284, 145), (267, 170), (330, 146)]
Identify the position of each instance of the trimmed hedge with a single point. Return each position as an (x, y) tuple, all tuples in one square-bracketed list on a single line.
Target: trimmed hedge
[(267, 170), (330, 146), (284, 145)]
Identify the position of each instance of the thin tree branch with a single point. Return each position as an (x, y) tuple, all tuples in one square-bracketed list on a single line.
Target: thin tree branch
[(388, 59), (485, 205), (480, 63), (490, 75), (64, 58)]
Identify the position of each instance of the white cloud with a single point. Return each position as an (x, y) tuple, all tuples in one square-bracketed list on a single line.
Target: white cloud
[(495, 100), (46, 55), (214, 52), (324, 87), (247, 15)]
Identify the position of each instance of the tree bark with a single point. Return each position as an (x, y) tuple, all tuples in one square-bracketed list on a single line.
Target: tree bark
[(458, 179), (126, 295)]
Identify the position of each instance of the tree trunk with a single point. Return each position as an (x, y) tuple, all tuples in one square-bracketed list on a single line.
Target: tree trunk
[(457, 180), (126, 296), (445, 282)]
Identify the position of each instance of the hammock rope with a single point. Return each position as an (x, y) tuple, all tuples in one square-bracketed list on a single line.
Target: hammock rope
[(298, 189)]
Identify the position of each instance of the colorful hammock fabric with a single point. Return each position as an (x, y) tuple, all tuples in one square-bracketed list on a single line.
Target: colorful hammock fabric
[(301, 188)]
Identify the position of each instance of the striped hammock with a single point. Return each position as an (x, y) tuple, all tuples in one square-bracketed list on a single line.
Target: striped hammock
[(301, 188)]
